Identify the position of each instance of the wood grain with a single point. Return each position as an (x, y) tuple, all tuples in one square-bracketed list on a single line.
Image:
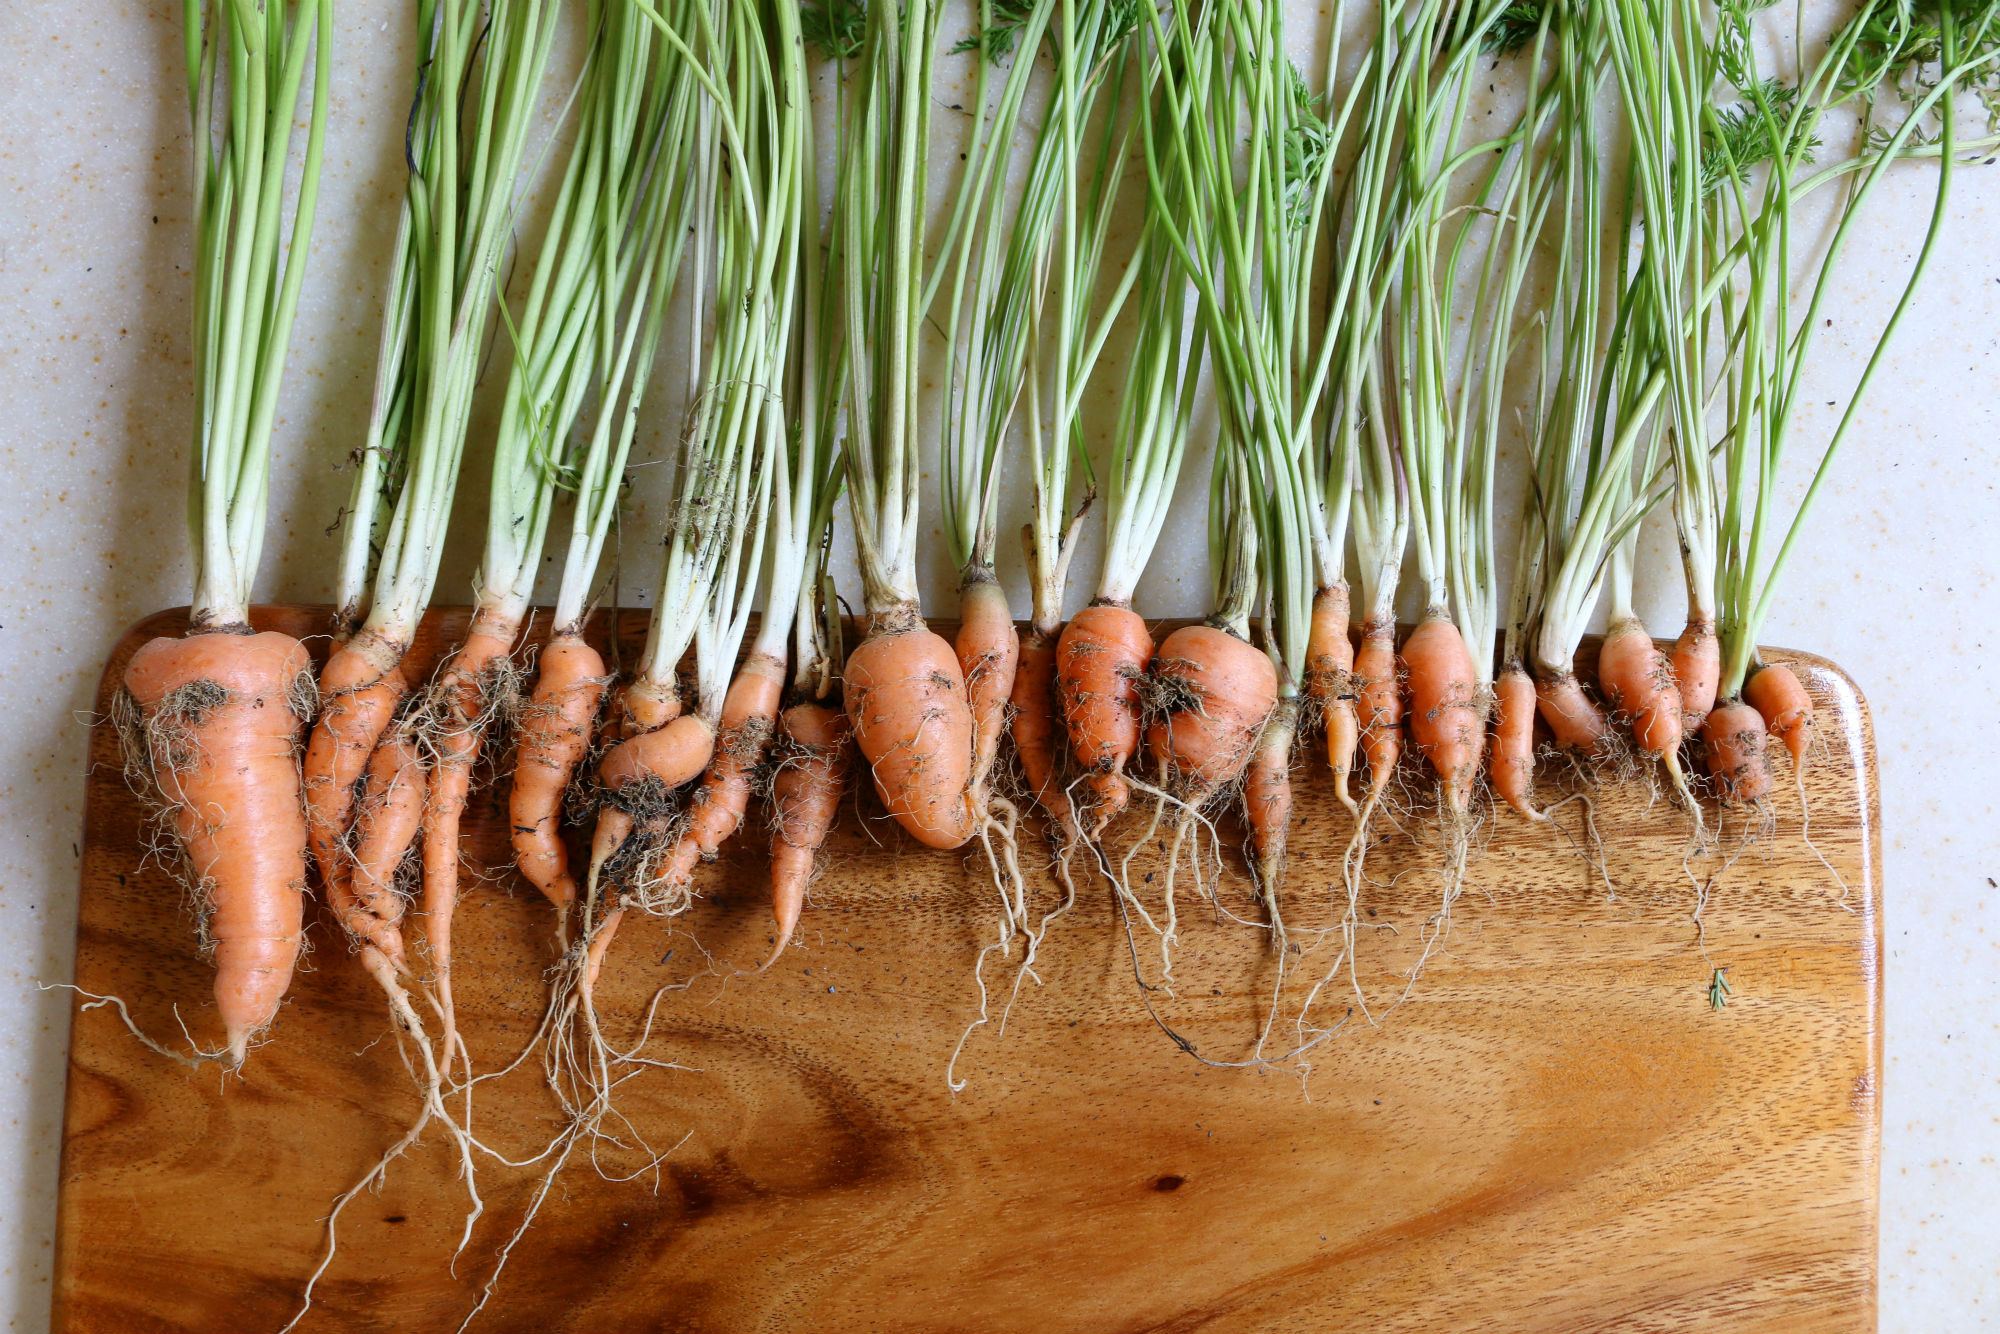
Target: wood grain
[(1554, 1132)]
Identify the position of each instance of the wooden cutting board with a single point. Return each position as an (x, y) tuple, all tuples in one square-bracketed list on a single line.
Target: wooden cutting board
[(1555, 1131)]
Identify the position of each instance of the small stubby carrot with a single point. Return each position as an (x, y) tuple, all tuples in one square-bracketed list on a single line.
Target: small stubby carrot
[(1573, 717), (1637, 680), (1221, 690), (1034, 730), (456, 729), (1446, 719), (387, 818), (1330, 683), (1697, 663), (1735, 740), (989, 654), (552, 739), (1510, 765), (905, 697), (220, 729), (715, 812), (816, 742), (1101, 659), (361, 687), (1378, 702), (1775, 691)]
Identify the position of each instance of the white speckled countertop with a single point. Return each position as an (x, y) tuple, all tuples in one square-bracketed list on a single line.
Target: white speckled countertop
[(1898, 583)]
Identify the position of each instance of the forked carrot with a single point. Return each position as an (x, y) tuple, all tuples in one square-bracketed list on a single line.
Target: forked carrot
[(1330, 683), (553, 737), (1101, 658), (1446, 718), (1510, 765), (1775, 692), (814, 741)]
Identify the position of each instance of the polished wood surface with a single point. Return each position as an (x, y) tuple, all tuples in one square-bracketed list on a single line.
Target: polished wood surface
[(1555, 1131)]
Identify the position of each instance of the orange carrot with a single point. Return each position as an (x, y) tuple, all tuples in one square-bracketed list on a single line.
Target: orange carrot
[(817, 741), (716, 810), (1035, 732), (1446, 719), (360, 687), (1379, 702), (1267, 799), (1787, 710), (220, 736), (1101, 657), (457, 728), (989, 654), (1577, 723), (1735, 738), (1510, 767), (1637, 680), (1697, 660), (387, 818), (1221, 690), (1330, 682), (906, 701), (553, 736)]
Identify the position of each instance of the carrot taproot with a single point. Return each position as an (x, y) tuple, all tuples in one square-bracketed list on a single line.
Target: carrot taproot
[(1219, 691), (1034, 732), (1775, 692), (360, 688), (1378, 702), (989, 654), (1267, 802), (817, 741), (1735, 739), (1577, 722), (906, 702), (1101, 658), (1697, 663), (1330, 683), (1510, 765), (553, 737), (749, 713), (388, 815), (220, 729), (1447, 720)]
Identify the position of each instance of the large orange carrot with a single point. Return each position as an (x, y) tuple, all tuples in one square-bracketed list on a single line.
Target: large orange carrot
[(360, 688), (816, 741), (1330, 682), (1578, 724), (462, 701), (989, 654), (553, 737), (1510, 767), (1447, 719), (1101, 657), (221, 736), (1697, 661), (1735, 738), (1637, 680), (387, 817), (1379, 702), (749, 712), (1220, 690), (906, 701), (1787, 710), (1034, 730)]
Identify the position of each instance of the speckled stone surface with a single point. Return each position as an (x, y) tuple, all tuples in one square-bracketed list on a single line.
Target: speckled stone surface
[(1897, 580)]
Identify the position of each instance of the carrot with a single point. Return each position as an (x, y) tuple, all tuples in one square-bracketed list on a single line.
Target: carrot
[(1697, 662), (1787, 710), (462, 700), (1330, 682), (1510, 766), (716, 810), (1379, 702), (1267, 801), (1034, 732), (906, 702), (817, 742), (1220, 690), (1577, 723), (1447, 720), (1101, 657), (1638, 682), (1735, 738), (673, 754), (387, 818), (360, 688), (220, 726), (989, 654), (553, 736)]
